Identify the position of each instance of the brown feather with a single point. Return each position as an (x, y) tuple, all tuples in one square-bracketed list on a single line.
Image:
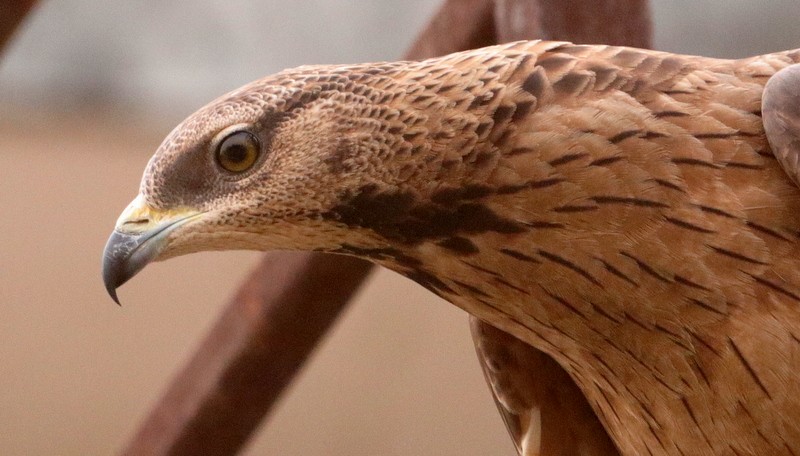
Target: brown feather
[(545, 413)]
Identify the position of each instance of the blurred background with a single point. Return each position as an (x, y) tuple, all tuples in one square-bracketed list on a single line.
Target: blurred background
[(87, 91)]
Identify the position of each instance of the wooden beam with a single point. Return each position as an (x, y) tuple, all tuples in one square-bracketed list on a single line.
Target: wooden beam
[(250, 355), (12, 12), (458, 25), (617, 22)]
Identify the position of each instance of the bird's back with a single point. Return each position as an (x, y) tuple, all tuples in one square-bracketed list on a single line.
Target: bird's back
[(620, 210)]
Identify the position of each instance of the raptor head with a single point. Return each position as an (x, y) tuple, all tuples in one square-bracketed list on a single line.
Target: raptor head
[(260, 168), (363, 159)]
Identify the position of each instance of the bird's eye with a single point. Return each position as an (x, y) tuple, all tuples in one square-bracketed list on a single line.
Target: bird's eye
[(238, 151)]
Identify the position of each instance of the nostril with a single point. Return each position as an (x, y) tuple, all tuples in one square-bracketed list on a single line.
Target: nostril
[(141, 221)]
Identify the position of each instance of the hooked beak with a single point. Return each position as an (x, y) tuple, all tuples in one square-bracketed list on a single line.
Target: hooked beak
[(139, 236)]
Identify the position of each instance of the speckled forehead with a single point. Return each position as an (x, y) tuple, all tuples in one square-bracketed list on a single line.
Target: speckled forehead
[(175, 172), (241, 106), (247, 105)]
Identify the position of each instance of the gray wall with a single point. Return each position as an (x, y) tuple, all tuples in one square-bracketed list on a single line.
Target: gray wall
[(726, 28), (170, 58), (156, 56)]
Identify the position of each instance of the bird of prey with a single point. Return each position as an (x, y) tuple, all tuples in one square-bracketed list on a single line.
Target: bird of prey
[(618, 209)]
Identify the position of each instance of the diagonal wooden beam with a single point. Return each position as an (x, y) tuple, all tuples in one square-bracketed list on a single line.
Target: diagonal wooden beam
[(280, 313), (250, 355), (458, 25), (12, 12), (616, 22)]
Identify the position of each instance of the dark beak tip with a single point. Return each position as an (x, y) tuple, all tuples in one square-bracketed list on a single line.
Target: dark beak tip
[(110, 277), (126, 254), (119, 263), (112, 291)]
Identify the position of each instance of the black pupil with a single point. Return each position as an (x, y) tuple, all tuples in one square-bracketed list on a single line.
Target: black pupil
[(236, 153)]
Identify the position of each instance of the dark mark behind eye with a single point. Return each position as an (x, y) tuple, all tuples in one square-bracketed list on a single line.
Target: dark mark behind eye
[(406, 218)]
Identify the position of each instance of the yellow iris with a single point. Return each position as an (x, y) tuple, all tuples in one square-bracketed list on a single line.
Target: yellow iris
[(238, 151)]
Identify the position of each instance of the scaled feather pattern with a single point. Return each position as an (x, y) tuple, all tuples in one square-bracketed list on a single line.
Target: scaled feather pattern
[(618, 209)]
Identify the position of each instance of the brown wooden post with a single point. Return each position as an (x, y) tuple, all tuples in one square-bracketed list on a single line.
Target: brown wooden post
[(12, 12), (617, 22), (250, 355)]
